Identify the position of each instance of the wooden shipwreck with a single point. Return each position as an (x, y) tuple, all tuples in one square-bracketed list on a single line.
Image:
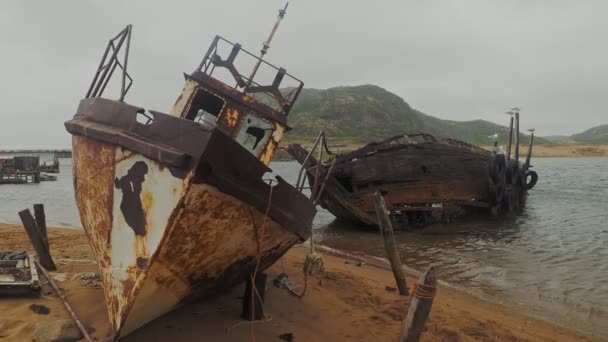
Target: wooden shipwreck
[(423, 180), (176, 206)]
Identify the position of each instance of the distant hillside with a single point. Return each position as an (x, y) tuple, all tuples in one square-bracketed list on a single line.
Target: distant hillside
[(597, 134), (363, 113), (558, 138)]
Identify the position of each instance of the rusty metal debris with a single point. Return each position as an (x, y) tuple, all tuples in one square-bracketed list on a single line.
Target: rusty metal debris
[(173, 203), (423, 180)]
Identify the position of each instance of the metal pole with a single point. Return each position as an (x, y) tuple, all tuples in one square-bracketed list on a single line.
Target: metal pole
[(266, 44), (67, 305), (124, 67)]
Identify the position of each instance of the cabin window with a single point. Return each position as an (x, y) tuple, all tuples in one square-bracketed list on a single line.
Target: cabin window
[(205, 108), (254, 134)]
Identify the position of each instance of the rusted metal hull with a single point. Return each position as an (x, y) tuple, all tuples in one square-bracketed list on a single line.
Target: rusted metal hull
[(172, 223), (422, 182)]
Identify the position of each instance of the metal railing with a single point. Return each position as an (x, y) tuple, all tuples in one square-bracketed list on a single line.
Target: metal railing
[(280, 99), (108, 65)]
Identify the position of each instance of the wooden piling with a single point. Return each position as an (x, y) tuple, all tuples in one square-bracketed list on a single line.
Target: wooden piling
[(41, 222), (33, 232), (530, 150), (253, 299), (392, 253), (517, 136), (510, 139), (420, 306)]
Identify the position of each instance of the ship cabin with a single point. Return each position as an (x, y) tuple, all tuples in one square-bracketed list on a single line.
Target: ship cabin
[(251, 109)]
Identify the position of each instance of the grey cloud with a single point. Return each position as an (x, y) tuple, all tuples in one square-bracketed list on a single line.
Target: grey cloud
[(458, 60)]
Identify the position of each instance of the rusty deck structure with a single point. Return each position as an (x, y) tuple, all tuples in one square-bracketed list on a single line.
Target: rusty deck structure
[(423, 180), (176, 206)]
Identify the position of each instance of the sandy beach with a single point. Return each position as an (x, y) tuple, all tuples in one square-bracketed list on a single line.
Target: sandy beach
[(350, 303)]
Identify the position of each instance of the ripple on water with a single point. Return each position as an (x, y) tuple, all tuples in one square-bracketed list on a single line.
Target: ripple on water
[(552, 259)]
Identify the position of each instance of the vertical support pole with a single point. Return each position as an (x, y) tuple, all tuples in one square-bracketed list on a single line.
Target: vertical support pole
[(253, 308), (517, 136), (386, 230), (41, 222), (529, 156), (510, 139), (33, 232), (420, 306)]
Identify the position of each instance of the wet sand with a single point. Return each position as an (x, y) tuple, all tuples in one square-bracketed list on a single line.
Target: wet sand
[(350, 303)]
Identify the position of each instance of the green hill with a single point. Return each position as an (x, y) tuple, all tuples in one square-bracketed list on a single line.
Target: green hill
[(360, 114), (598, 134)]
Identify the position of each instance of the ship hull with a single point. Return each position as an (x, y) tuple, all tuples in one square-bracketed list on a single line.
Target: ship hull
[(423, 181), (169, 224)]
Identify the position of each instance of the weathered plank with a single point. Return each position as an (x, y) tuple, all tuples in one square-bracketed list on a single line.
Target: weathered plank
[(41, 222), (386, 229), (420, 306), (33, 232)]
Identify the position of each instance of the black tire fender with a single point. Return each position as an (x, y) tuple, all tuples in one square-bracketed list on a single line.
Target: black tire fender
[(533, 179)]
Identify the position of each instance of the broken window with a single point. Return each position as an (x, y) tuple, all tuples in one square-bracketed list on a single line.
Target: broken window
[(205, 108)]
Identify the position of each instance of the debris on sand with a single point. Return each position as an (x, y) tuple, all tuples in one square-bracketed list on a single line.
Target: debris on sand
[(89, 279), (40, 309)]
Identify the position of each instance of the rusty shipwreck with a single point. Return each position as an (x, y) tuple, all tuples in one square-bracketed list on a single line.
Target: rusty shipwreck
[(174, 204), (423, 179)]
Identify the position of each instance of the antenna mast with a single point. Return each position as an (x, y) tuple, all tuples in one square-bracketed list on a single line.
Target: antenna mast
[(266, 44)]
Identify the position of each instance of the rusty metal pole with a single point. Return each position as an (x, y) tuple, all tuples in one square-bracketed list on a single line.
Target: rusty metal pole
[(517, 136), (67, 305), (266, 44)]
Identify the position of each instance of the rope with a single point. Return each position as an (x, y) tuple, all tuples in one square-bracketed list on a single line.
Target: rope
[(423, 291)]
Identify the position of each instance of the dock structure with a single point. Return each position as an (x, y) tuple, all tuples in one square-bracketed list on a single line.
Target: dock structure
[(20, 170), (48, 159)]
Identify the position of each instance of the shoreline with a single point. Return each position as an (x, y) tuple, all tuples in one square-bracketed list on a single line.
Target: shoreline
[(353, 296)]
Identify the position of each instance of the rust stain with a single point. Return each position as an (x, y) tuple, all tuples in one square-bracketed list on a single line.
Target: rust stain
[(232, 116), (214, 230), (93, 179)]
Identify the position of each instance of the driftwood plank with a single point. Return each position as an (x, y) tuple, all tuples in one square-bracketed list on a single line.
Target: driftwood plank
[(41, 222), (386, 229), (33, 232), (420, 306)]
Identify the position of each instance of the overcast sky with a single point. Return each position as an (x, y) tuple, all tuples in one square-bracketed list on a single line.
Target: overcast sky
[(457, 60)]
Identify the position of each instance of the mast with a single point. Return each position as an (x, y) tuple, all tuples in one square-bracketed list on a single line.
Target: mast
[(266, 44)]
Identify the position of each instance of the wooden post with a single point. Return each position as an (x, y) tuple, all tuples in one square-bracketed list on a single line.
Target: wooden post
[(33, 232), (510, 139), (386, 230), (517, 136), (253, 307), (41, 222), (420, 306), (530, 150)]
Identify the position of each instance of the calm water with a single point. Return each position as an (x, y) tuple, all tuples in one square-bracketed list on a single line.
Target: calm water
[(550, 261)]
